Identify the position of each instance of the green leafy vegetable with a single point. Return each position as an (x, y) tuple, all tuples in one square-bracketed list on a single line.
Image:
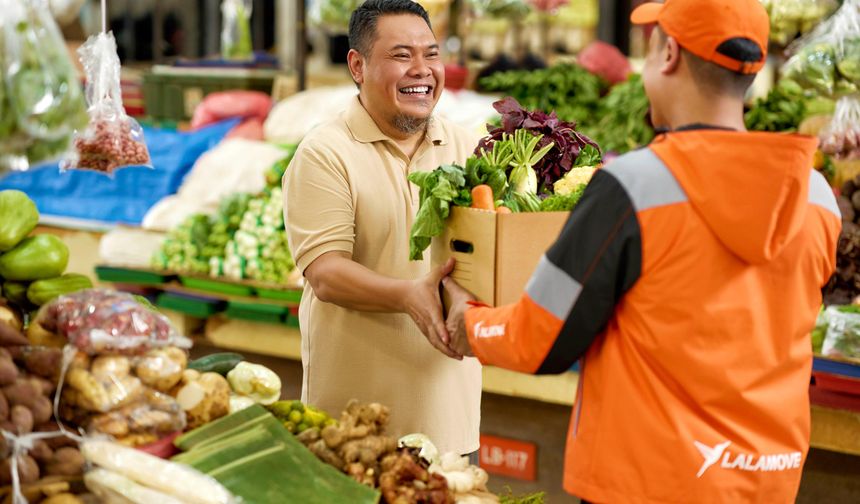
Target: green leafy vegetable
[(439, 189), (621, 123), (562, 202)]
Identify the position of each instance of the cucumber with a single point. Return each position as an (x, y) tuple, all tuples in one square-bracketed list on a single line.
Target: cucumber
[(41, 292), (221, 363)]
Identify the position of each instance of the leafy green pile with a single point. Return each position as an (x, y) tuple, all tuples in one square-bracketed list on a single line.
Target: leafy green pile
[(569, 90), (785, 107), (622, 118)]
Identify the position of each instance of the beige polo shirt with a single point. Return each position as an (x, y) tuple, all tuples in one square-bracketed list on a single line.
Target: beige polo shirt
[(346, 190)]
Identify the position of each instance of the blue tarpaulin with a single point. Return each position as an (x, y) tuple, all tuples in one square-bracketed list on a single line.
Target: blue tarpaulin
[(131, 192)]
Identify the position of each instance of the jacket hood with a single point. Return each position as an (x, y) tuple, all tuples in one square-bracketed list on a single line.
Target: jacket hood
[(751, 189)]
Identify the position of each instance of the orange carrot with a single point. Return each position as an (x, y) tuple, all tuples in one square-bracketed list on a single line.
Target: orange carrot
[(503, 209), (482, 197)]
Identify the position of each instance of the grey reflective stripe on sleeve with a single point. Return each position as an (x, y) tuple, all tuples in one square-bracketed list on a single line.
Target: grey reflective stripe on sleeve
[(553, 289), (647, 180), (821, 194)]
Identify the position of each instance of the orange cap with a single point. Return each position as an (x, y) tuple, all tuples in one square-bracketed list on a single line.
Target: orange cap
[(702, 26)]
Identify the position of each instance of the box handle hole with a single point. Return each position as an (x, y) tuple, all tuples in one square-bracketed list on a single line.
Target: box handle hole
[(462, 247)]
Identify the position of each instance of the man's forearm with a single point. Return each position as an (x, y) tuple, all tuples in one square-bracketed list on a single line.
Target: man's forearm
[(338, 279)]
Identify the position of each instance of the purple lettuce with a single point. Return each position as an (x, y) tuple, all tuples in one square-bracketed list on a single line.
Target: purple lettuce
[(568, 142)]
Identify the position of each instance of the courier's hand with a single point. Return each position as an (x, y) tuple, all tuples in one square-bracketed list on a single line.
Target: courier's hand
[(456, 323), (423, 304)]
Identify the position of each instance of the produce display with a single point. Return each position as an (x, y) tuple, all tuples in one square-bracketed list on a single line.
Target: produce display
[(841, 138), (245, 239), (31, 267), (570, 90), (297, 417), (621, 123), (844, 285), (236, 30), (837, 333), (533, 162), (41, 101), (790, 18)]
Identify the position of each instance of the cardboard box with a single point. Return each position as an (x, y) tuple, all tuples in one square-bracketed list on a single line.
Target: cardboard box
[(496, 253)]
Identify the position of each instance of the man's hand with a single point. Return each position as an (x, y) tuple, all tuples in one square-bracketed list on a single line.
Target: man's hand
[(456, 323), (423, 304)]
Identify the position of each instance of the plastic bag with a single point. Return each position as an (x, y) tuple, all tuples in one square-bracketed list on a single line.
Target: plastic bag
[(112, 139), (842, 340), (41, 102), (790, 18), (99, 321), (841, 138), (236, 30), (827, 61), (125, 397)]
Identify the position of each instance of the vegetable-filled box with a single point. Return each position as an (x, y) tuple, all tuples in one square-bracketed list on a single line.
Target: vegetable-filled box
[(496, 253)]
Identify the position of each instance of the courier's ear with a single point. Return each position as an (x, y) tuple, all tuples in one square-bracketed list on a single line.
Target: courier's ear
[(671, 56), (356, 63)]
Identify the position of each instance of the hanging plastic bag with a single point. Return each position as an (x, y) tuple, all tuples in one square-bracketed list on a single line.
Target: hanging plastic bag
[(827, 61), (236, 30), (41, 102), (841, 138), (112, 139), (790, 18)]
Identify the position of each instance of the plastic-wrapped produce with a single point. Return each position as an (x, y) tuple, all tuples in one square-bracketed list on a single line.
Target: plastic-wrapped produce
[(790, 18), (841, 138), (41, 102), (100, 321), (113, 139), (236, 30), (827, 61), (842, 340)]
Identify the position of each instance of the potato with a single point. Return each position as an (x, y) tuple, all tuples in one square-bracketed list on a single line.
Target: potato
[(91, 394), (23, 391), (112, 424), (162, 368), (110, 367), (22, 418), (44, 362), (63, 498), (28, 470), (42, 409), (4, 408), (38, 335), (8, 371), (66, 462), (45, 385), (41, 452), (205, 399), (10, 317), (10, 336)]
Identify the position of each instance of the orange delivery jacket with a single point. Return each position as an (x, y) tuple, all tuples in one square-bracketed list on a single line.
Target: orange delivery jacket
[(687, 279)]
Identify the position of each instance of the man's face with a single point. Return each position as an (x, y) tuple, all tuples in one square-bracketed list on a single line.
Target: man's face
[(403, 78), (653, 76)]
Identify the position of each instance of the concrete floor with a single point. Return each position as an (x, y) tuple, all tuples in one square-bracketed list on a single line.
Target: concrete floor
[(828, 477)]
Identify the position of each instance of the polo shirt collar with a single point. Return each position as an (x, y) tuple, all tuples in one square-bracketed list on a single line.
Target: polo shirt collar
[(365, 130)]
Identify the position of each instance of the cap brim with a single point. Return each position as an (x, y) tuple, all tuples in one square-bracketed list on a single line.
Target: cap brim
[(646, 13)]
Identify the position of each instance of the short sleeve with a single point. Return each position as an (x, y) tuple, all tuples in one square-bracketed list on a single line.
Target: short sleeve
[(318, 206)]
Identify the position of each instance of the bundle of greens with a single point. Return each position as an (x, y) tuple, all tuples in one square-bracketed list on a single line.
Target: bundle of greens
[(569, 147), (568, 89), (533, 156), (623, 117)]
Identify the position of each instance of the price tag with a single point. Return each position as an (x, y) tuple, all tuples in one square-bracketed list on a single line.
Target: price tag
[(509, 457)]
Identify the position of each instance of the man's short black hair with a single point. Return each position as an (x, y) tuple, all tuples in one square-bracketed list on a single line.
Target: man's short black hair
[(718, 79), (362, 23)]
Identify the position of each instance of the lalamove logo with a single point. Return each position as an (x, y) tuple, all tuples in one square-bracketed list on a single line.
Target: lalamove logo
[(745, 461), (493, 331)]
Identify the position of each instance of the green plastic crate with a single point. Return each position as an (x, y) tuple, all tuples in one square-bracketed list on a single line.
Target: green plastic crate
[(292, 296), (257, 312), (216, 286), (194, 307), (130, 276), (172, 93)]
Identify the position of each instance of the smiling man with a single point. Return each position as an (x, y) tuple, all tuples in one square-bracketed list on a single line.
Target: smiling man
[(366, 309)]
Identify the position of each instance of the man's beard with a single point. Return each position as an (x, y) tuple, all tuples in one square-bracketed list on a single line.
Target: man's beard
[(410, 124)]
